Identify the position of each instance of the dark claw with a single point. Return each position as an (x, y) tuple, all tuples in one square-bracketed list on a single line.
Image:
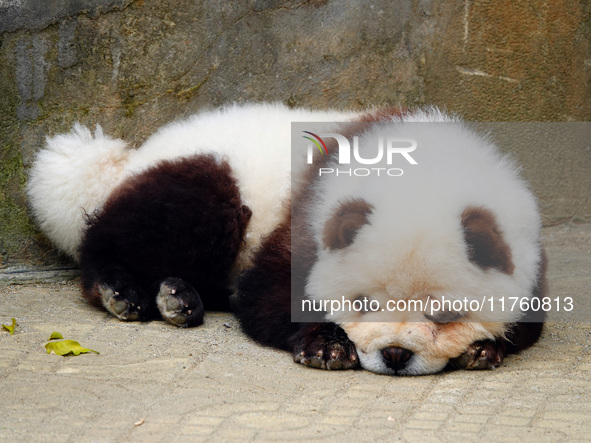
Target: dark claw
[(120, 305), (179, 303), (486, 354), (324, 346)]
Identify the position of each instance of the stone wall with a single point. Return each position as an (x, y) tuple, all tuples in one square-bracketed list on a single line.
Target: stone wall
[(134, 65)]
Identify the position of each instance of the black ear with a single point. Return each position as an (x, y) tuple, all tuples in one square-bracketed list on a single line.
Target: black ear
[(341, 228), (484, 239)]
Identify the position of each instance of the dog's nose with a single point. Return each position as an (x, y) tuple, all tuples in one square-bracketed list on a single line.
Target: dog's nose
[(396, 358)]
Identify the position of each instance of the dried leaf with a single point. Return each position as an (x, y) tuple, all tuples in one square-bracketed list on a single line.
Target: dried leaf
[(56, 336), (65, 347), (10, 328)]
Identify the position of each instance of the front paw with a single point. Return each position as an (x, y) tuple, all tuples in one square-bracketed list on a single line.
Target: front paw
[(485, 354), (179, 303), (324, 346)]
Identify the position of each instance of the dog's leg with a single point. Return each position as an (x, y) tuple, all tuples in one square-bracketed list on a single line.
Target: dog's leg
[(324, 346), (115, 290), (484, 354), (489, 354), (179, 303), (264, 304)]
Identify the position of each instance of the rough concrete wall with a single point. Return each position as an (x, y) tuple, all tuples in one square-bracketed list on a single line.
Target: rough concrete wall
[(134, 65)]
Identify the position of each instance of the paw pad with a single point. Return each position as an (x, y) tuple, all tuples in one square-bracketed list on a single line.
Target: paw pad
[(327, 355), (480, 355), (118, 304), (179, 303)]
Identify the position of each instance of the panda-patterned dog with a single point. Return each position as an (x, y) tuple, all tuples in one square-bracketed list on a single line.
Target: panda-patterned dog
[(205, 208), (460, 226)]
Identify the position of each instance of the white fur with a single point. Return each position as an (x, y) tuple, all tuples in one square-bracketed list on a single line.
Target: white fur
[(71, 177), (75, 173), (413, 248)]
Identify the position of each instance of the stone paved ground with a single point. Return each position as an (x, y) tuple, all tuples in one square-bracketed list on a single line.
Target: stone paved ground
[(212, 383)]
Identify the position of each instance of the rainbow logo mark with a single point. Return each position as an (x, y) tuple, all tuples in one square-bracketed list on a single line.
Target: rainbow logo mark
[(315, 142)]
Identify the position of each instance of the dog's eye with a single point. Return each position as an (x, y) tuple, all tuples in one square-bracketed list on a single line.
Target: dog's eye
[(443, 317), (364, 304)]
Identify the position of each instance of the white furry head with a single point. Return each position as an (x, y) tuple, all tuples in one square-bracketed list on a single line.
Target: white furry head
[(458, 225)]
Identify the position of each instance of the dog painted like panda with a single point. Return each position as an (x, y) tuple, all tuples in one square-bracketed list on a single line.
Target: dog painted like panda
[(202, 209), (460, 225)]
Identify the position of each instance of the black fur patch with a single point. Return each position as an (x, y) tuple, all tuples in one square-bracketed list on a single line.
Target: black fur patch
[(264, 292), (341, 228), (181, 219), (486, 246)]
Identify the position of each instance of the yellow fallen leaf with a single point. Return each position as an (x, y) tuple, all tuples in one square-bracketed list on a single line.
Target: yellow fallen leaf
[(10, 328), (56, 336), (65, 347)]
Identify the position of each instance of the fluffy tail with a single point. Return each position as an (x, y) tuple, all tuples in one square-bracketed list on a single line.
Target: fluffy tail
[(71, 177)]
